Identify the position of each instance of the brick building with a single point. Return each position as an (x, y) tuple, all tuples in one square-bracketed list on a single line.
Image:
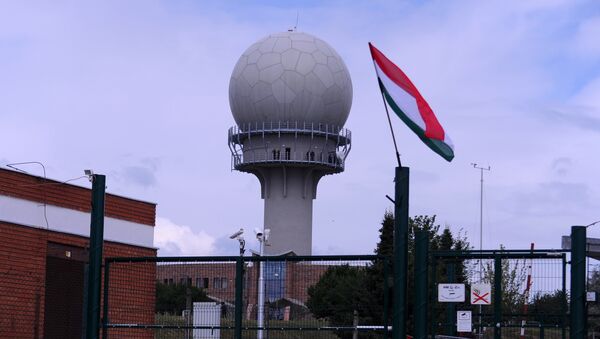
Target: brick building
[(286, 283), (44, 229)]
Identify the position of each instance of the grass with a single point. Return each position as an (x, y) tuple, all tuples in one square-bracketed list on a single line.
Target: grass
[(274, 330)]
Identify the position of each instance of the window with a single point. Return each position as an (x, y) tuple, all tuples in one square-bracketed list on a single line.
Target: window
[(220, 283), (202, 282), (310, 156), (166, 281), (171, 281)]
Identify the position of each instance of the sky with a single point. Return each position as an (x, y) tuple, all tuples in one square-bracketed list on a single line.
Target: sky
[(138, 90)]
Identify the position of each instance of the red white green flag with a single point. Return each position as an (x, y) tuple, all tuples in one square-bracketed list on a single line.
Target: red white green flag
[(404, 98)]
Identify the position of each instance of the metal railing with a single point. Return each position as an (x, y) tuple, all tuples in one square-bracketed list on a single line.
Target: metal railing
[(318, 144), (239, 133)]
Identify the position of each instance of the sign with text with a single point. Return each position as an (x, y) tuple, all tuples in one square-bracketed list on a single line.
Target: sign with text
[(464, 321), (481, 294), (451, 293), (590, 296)]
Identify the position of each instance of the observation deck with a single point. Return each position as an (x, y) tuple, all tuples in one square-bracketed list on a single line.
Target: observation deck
[(271, 144)]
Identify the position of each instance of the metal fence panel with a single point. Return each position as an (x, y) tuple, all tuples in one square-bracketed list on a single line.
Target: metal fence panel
[(537, 311), (320, 297)]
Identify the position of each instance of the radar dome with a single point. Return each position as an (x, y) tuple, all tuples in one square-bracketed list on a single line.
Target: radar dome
[(290, 76)]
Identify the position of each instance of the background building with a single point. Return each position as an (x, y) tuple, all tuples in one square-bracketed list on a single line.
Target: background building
[(286, 284), (44, 230)]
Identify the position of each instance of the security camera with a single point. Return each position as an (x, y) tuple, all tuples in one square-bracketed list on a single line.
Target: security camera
[(258, 232), (237, 234), (90, 174)]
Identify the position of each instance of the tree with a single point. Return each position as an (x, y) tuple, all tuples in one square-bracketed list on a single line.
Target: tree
[(337, 295), (171, 298), (514, 277), (547, 308), (367, 293), (594, 307)]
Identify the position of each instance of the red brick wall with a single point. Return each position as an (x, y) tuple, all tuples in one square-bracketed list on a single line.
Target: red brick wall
[(23, 252), (51, 192), (300, 276), (202, 270)]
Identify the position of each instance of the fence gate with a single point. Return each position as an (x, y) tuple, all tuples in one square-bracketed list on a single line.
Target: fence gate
[(249, 297), (498, 294)]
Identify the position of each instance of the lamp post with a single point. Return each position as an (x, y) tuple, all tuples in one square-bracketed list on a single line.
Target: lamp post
[(263, 238)]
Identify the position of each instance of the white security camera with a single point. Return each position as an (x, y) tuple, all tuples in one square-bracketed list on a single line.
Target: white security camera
[(259, 233), (237, 234)]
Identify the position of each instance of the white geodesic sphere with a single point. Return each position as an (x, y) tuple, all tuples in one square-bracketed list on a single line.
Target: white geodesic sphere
[(290, 76)]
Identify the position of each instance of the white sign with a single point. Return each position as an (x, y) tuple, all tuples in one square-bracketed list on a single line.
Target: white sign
[(590, 296), (463, 321), (481, 294), (451, 293)]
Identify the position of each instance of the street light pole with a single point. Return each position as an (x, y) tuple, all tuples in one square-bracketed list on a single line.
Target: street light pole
[(262, 237)]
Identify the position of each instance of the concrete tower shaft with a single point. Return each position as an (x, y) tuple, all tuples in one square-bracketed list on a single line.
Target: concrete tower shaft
[(290, 95)]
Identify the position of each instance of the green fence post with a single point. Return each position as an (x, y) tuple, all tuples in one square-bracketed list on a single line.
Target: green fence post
[(434, 319), (451, 307), (563, 305), (497, 297), (105, 304), (400, 252), (578, 247), (421, 285), (239, 280), (95, 259)]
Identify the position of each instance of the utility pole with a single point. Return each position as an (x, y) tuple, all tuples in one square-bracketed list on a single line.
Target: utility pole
[(481, 169)]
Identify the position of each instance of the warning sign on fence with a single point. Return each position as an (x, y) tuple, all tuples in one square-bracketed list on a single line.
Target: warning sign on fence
[(451, 293), (463, 321), (481, 294)]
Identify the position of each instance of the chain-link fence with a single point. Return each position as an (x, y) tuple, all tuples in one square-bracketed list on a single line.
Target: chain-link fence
[(257, 297), (510, 294)]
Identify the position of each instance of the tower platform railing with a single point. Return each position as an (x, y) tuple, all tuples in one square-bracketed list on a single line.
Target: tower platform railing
[(238, 134), (289, 143)]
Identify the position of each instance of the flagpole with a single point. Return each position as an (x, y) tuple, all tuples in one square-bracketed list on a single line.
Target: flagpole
[(387, 113), (400, 257), (391, 128)]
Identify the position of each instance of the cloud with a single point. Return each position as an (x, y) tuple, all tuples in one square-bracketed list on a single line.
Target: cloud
[(173, 239), (562, 165), (586, 39), (552, 199), (142, 176), (589, 96)]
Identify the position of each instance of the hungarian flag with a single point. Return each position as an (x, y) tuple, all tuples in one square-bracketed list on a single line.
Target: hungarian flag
[(404, 98)]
